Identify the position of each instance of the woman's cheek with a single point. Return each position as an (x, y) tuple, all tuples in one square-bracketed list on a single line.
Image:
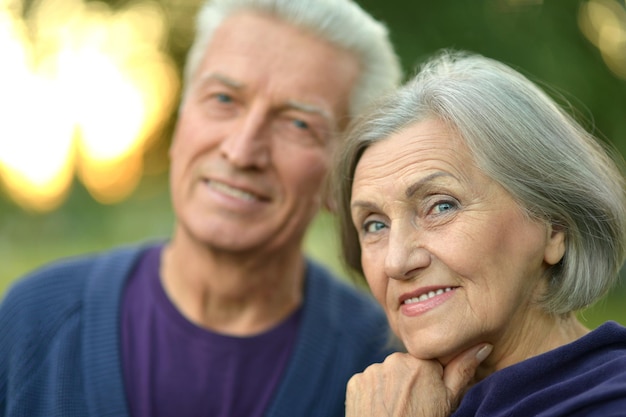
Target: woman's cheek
[(378, 286)]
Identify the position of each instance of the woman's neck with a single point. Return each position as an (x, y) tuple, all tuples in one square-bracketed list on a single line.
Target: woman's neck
[(539, 335)]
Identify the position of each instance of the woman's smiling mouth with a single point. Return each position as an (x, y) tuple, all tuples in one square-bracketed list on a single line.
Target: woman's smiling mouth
[(426, 296), (424, 300)]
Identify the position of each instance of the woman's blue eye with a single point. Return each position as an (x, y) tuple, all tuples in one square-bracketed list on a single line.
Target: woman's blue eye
[(373, 226), (442, 207)]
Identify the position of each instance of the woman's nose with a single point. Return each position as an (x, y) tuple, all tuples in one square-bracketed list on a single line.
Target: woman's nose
[(406, 254)]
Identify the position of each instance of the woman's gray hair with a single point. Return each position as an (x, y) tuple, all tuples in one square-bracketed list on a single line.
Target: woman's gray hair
[(341, 22), (556, 171)]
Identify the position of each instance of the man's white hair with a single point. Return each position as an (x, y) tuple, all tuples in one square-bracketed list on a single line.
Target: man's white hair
[(341, 22)]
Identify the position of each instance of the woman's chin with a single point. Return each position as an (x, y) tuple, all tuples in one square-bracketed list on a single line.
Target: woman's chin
[(427, 353)]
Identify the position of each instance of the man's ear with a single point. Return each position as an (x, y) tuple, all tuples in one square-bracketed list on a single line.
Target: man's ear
[(327, 196), (330, 203)]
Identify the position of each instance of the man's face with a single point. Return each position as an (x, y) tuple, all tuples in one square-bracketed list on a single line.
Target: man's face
[(255, 134)]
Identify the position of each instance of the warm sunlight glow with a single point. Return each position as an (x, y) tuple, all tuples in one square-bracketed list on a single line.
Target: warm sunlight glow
[(604, 23), (35, 141), (84, 92)]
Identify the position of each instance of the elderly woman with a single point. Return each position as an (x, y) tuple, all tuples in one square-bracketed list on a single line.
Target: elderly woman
[(483, 217)]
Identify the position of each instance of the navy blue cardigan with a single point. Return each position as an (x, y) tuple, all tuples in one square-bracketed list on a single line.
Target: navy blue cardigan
[(60, 354), (585, 378)]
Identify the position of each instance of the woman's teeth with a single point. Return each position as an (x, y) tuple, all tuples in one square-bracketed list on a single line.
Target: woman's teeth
[(427, 295)]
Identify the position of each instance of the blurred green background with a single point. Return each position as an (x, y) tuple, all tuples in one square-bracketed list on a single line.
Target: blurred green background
[(576, 49)]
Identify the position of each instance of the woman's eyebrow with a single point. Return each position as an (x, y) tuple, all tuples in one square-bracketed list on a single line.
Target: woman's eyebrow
[(410, 191), (361, 204), (423, 182)]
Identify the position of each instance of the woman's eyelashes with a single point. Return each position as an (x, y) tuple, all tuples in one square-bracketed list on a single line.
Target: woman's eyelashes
[(433, 211), (443, 206), (373, 226)]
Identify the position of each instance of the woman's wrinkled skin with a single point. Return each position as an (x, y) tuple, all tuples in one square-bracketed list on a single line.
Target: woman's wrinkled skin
[(458, 267)]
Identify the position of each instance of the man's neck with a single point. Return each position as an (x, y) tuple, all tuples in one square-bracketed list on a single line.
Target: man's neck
[(229, 295)]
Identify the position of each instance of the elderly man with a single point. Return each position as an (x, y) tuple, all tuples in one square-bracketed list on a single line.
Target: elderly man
[(228, 317)]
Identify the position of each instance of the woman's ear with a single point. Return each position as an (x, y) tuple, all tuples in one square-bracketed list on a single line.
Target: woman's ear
[(555, 245)]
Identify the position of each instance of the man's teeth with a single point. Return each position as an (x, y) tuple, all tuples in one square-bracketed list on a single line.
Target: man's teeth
[(427, 295), (233, 192)]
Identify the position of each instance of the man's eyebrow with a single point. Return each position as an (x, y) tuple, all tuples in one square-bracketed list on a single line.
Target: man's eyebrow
[(309, 108), (221, 78), (423, 182)]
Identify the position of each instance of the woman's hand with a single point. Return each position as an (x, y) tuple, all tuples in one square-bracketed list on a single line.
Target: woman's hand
[(404, 386)]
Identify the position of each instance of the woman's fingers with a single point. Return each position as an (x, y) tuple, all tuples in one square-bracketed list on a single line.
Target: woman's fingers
[(401, 386), (404, 386), (459, 372)]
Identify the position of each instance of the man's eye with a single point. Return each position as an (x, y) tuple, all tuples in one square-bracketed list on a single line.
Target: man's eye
[(223, 98), (300, 124)]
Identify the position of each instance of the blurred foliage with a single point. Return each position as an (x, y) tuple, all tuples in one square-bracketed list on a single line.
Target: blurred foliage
[(540, 38)]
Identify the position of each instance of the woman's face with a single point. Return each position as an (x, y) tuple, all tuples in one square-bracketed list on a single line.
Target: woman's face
[(446, 251)]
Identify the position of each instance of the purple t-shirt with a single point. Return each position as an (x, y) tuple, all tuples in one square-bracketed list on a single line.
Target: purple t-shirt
[(173, 367)]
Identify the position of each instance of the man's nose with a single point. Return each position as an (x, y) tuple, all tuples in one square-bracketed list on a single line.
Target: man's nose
[(248, 145)]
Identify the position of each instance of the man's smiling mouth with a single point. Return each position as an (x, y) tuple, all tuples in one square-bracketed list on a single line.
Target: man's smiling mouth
[(231, 191)]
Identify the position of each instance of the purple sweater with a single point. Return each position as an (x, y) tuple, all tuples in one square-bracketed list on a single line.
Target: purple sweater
[(584, 378)]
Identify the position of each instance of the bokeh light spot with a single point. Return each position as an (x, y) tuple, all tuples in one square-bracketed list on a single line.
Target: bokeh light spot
[(85, 88), (603, 22)]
